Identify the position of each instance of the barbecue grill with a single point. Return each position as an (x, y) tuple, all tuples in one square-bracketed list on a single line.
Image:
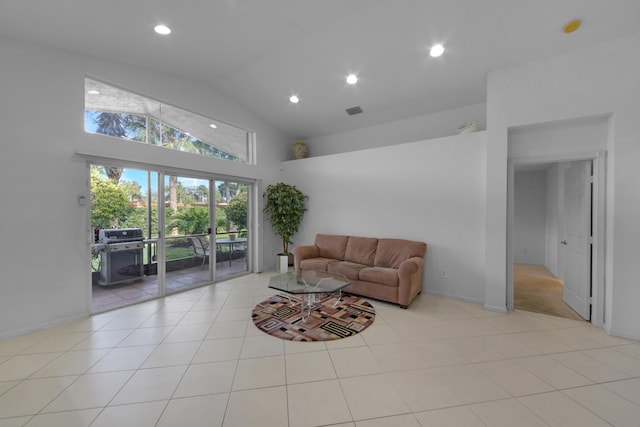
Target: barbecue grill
[(121, 253)]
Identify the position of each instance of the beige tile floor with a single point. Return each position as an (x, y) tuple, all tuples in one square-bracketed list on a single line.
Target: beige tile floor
[(196, 359)]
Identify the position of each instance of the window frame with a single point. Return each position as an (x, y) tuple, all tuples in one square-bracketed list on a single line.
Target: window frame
[(187, 131)]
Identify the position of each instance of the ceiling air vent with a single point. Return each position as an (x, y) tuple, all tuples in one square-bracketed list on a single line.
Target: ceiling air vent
[(353, 110)]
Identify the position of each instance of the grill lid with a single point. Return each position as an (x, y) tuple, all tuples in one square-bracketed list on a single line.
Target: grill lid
[(120, 235)]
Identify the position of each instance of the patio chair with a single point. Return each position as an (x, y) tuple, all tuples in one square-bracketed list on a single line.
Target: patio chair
[(241, 250), (219, 255), (200, 250)]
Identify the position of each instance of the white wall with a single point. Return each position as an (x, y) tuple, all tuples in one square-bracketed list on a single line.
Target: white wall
[(595, 82), (444, 123), (530, 217), (431, 191), (45, 237)]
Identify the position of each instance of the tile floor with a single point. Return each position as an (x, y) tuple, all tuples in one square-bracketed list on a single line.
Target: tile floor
[(196, 359)]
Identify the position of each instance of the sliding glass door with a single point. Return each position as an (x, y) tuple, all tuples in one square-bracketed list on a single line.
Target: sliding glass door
[(232, 235), (124, 221), (188, 224), (157, 233)]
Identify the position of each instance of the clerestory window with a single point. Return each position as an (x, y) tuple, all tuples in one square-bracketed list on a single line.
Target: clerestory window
[(115, 112)]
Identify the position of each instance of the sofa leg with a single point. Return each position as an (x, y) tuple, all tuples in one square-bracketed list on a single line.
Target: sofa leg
[(404, 306)]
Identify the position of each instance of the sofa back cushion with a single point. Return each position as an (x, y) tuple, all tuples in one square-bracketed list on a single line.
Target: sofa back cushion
[(331, 245), (361, 250), (390, 253)]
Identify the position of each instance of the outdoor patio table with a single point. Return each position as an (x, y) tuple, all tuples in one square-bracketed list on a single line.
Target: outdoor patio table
[(231, 244)]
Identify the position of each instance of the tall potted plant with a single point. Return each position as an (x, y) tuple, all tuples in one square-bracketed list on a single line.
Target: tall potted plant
[(284, 206)]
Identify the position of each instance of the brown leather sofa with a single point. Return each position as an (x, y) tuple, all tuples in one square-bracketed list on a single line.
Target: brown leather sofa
[(385, 269)]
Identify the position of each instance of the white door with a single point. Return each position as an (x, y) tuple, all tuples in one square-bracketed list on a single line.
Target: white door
[(576, 243)]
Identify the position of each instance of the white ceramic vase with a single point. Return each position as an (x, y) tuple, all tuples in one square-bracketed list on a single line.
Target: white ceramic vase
[(300, 150)]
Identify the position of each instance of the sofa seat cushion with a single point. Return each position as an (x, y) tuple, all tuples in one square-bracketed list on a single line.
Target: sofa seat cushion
[(348, 269), (386, 276), (318, 264)]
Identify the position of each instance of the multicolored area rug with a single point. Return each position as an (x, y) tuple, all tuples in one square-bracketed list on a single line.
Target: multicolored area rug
[(281, 317)]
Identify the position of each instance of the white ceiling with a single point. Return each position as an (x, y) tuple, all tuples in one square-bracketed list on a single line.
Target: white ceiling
[(259, 52)]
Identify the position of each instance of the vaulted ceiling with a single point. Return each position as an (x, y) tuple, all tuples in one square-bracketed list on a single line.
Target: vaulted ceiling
[(260, 52)]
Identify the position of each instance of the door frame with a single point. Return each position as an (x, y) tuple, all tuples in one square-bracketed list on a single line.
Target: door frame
[(598, 228)]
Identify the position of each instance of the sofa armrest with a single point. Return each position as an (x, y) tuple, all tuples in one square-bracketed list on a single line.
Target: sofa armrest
[(304, 252), (409, 280)]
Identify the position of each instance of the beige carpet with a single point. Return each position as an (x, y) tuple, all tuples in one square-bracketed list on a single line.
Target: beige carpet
[(536, 289)]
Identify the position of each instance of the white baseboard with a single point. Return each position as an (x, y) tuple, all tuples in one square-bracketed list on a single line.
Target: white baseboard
[(458, 297), (622, 334), (495, 308), (44, 325)]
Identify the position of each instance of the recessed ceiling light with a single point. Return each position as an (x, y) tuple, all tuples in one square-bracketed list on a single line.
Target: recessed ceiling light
[(571, 26), (162, 29), (436, 50), (93, 92), (352, 79), (213, 126), (294, 99)]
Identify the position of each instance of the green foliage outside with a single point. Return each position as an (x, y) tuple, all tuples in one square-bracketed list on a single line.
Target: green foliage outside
[(137, 218), (190, 220), (222, 223), (109, 202), (237, 211), (113, 205), (134, 127)]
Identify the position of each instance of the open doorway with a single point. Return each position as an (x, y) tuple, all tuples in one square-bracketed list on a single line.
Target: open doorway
[(538, 270), (551, 144), (555, 264)]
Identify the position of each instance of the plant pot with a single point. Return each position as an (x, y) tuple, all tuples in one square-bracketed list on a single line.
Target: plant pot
[(282, 263), (232, 236)]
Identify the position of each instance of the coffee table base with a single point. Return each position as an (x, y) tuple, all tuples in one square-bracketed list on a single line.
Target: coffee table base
[(308, 284), (308, 301)]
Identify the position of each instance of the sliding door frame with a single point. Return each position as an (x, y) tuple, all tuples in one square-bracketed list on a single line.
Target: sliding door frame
[(253, 216)]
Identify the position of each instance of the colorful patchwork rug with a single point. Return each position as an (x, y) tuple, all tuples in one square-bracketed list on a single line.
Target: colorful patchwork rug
[(281, 316)]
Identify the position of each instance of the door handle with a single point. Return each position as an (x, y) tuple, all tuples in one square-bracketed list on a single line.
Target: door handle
[(564, 242)]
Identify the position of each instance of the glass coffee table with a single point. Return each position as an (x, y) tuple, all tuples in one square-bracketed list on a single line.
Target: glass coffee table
[(308, 285)]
